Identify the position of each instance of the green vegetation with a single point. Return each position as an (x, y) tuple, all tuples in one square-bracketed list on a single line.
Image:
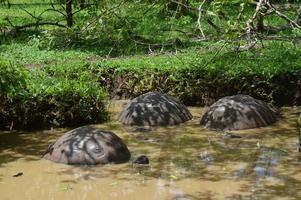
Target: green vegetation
[(12, 78), (197, 78), (54, 72), (38, 99)]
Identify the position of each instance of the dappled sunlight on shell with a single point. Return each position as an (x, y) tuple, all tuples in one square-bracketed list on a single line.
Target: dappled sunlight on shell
[(238, 112), (154, 109)]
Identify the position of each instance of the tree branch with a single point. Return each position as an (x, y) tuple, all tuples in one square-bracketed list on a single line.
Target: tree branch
[(199, 26), (17, 29), (292, 22)]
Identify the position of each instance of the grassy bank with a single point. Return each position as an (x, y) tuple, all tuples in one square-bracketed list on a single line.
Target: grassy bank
[(201, 77), (69, 88), (34, 99), (56, 76)]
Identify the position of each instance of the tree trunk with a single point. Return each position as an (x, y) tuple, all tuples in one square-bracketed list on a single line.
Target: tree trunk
[(69, 15)]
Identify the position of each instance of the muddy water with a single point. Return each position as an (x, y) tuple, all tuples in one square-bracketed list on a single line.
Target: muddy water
[(186, 162)]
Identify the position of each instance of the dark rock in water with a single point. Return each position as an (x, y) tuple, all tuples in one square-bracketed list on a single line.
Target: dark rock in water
[(154, 109), (88, 146), (18, 174), (231, 135), (142, 129), (238, 112), (141, 160)]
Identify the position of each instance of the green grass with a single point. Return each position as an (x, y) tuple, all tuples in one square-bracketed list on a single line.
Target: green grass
[(18, 11), (69, 87), (122, 31), (30, 54), (56, 77), (119, 32), (37, 99), (203, 77)]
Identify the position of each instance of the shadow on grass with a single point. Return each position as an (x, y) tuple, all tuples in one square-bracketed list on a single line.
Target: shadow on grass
[(59, 39)]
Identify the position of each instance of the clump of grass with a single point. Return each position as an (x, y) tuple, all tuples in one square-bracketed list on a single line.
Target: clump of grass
[(45, 100), (12, 78)]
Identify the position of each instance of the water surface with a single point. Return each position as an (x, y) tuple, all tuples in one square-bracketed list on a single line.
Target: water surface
[(186, 162)]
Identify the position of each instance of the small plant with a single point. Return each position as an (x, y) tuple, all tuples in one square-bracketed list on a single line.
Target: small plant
[(12, 78)]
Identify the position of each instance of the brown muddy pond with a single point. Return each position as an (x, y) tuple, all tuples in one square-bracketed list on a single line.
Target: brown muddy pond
[(186, 162)]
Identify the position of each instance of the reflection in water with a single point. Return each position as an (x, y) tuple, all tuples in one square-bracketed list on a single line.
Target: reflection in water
[(266, 162), (185, 162), (206, 157)]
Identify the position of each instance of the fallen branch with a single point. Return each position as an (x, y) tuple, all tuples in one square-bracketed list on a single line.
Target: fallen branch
[(291, 22), (154, 45), (286, 6), (16, 29), (39, 24), (279, 38), (247, 47)]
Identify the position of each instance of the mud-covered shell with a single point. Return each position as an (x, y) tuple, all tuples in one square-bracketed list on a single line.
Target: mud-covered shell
[(88, 146), (238, 112), (154, 109)]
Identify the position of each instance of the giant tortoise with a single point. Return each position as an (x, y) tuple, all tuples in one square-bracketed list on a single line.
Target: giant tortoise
[(88, 146), (154, 109), (238, 112)]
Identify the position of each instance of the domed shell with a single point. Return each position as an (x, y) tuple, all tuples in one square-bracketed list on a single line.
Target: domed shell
[(238, 112), (88, 146), (154, 109)]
